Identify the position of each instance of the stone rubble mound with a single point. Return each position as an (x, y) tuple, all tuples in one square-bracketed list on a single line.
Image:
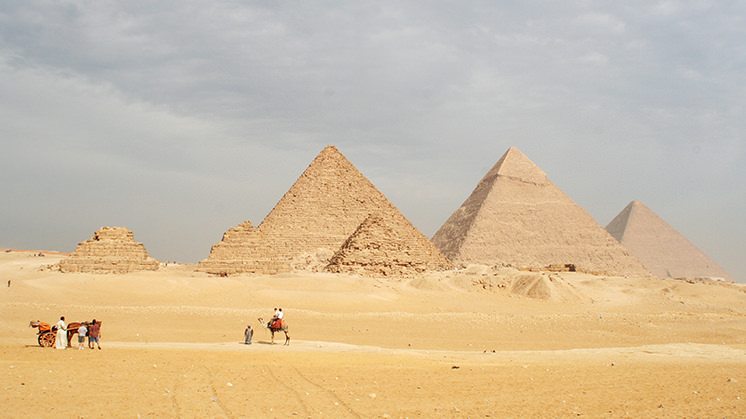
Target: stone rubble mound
[(517, 217), (110, 250), (387, 244), (662, 249)]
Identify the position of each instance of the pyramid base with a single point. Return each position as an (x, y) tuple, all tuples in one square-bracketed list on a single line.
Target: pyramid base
[(234, 267)]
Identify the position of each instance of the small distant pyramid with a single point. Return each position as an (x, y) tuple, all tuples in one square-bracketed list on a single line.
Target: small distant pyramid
[(387, 244), (516, 216), (662, 249), (242, 249), (110, 250), (316, 215)]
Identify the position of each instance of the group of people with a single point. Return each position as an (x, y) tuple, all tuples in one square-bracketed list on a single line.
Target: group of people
[(91, 330), (277, 318)]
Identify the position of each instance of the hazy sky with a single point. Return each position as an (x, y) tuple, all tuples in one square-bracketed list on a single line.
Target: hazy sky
[(181, 119)]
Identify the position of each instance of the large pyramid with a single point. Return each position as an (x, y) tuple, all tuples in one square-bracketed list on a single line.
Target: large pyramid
[(662, 249), (316, 215), (516, 216), (110, 250), (387, 244)]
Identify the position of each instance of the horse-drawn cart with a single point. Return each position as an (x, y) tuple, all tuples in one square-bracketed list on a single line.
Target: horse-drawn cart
[(47, 335)]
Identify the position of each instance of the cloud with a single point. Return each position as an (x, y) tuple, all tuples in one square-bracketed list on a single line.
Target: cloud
[(602, 22), (167, 115)]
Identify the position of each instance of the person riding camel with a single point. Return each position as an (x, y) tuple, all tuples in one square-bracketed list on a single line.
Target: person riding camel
[(277, 318)]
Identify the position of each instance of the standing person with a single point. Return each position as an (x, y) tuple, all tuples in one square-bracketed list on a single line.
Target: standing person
[(94, 333), (248, 333), (82, 332), (61, 342)]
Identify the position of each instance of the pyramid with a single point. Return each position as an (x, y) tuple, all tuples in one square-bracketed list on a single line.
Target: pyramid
[(242, 249), (316, 215), (662, 249), (387, 244), (517, 217), (110, 250)]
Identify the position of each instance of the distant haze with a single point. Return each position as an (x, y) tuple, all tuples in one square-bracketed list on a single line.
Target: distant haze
[(180, 120)]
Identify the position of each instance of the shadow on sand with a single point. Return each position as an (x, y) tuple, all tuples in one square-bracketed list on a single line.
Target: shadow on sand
[(261, 342)]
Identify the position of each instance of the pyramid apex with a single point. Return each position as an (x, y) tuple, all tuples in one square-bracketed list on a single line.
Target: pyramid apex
[(514, 164), (635, 207), (330, 149), (330, 152)]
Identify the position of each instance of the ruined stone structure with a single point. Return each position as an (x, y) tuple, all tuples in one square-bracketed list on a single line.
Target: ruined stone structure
[(110, 250), (242, 249), (316, 215), (517, 217), (387, 244), (662, 249)]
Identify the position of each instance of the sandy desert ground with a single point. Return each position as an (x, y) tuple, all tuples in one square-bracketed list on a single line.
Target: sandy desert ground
[(470, 343)]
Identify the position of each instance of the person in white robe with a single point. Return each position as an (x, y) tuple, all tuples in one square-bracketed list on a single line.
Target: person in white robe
[(61, 341)]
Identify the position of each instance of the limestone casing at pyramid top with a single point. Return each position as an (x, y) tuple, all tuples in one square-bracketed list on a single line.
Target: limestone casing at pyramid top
[(515, 165), (660, 247)]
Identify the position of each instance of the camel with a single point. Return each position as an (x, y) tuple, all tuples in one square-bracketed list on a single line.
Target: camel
[(283, 328)]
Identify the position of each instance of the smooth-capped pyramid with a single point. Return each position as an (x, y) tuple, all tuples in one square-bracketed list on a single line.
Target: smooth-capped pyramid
[(662, 249), (110, 250), (387, 244), (517, 217), (316, 215)]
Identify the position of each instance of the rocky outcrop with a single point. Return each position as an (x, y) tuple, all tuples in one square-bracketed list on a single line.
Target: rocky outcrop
[(387, 244), (110, 250), (517, 217)]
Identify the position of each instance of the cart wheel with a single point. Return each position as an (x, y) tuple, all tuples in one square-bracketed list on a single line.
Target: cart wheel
[(46, 339)]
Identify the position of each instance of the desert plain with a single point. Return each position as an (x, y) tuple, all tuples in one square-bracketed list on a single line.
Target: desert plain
[(474, 342)]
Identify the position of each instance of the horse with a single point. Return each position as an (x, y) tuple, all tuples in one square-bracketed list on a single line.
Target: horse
[(283, 328)]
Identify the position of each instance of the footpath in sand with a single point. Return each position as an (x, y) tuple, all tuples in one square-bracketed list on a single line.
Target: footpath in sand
[(455, 344)]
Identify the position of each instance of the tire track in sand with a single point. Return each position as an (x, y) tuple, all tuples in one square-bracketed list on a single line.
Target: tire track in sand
[(315, 400), (290, 389), (172, 395), (215, 398), (193, 390), (330, 394)]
